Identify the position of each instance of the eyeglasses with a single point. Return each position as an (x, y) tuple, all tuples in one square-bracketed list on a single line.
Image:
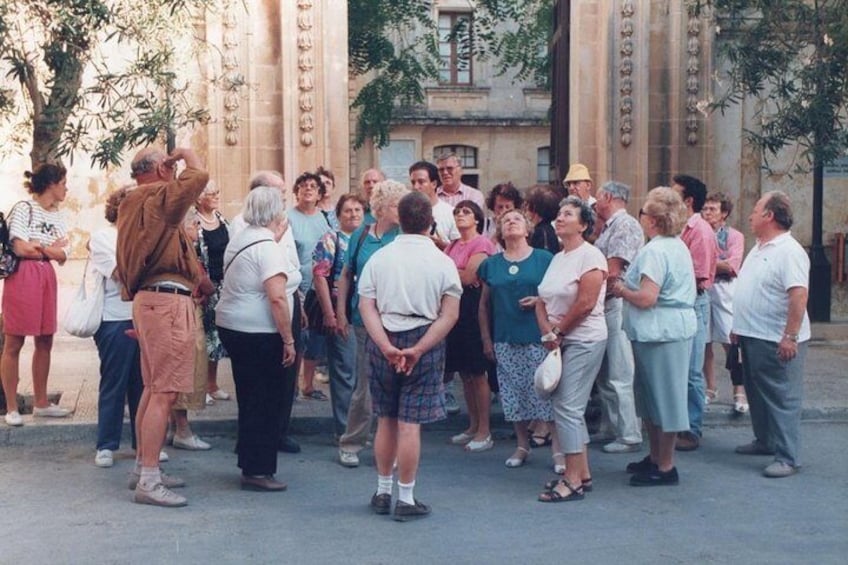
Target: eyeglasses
[(463, 211)]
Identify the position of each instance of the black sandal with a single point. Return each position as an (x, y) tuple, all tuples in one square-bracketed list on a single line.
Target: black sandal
[(554, 496), (585, 484)]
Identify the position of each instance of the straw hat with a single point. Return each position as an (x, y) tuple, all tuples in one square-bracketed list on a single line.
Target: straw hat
[(577, 172)]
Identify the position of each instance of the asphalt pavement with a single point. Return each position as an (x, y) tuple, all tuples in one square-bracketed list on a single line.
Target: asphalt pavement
[(56, 507)]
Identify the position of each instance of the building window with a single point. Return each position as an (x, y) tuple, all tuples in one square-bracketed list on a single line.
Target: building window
[(543, 165), (466, 154), (455, 48)]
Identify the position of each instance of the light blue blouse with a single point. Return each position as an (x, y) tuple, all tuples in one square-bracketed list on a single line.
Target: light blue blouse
[(667, 262)]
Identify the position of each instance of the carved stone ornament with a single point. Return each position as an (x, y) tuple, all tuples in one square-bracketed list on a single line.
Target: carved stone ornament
[(232, 77), (693, 80), (305, 79), (625, 73)]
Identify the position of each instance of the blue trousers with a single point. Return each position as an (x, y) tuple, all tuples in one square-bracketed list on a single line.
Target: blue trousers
[(696, 387), (120, 380)]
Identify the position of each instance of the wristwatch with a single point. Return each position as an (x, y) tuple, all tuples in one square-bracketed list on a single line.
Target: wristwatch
[(556, 331), (791, 337)]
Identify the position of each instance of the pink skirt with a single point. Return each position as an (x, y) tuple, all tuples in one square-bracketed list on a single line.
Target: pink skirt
[(29, 300)]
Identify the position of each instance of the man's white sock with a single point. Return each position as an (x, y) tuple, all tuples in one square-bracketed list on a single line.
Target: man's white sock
[(149, 478), (405, 492), (384, 484)]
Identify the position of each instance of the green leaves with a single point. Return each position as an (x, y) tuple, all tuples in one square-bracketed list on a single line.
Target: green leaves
[(793, 56), (76, 94), (394, 43)]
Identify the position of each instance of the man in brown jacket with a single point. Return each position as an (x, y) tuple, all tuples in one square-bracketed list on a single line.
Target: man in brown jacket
[(159, 270)]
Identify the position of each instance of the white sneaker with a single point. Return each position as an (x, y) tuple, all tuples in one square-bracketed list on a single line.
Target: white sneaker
[(163, 456), (219, 395), (14, 419), (159, 496), (51, 411), (348, 458), (192, 443), (209, 400), (104, 458), (618, 446)]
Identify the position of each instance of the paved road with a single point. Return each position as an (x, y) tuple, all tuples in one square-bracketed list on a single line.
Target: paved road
[(56, 507)]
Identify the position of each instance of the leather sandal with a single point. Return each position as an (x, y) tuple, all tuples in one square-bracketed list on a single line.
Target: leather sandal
[(554, 495), (740, 403)]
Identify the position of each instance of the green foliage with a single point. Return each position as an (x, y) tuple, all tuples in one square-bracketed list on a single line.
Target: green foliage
[(793, 56), (67, 79), (395, 43)]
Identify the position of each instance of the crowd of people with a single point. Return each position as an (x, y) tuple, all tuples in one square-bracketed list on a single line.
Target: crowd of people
[(397, 289)]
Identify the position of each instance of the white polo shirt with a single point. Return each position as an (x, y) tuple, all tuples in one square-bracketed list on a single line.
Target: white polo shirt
[(445, 224), (408, 279), (761, 302)]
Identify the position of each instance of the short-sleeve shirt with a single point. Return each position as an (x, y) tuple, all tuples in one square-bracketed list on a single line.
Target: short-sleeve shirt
[(465, 192), (244, 304), (362, 252), (329, 256), (665, 261), (560, 285), (287, 245), (43, 226), (509, 282), (307, 231), (103, 247), (761, 302), (699, 237), (730, 246), (445, 223), (462, 251), (408, 279), (621, 238)]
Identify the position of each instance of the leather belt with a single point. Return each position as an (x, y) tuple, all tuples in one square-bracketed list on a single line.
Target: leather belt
[(167, 290)]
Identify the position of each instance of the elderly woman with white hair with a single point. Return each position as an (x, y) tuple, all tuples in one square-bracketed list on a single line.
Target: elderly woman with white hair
[(254, 321)]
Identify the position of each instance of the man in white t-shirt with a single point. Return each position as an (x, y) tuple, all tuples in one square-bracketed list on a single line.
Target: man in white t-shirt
[(771, 324), (453, 191), (424, 178), (409, 300)]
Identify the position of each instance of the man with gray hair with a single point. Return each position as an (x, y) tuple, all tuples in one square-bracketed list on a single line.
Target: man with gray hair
[(771, 325), (159, 270), (620, 240)]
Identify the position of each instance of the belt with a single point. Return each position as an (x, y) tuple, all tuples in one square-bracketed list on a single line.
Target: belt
[(167, 290)]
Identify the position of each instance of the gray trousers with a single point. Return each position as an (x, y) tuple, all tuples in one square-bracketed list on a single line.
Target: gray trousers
[(359, 414), (580, 364), (775, 391), (615, 380), (341, 361)]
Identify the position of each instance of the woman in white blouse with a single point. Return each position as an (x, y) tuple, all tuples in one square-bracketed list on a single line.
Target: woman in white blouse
[(254, 321)]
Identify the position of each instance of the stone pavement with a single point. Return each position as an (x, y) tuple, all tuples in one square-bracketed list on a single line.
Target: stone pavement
[(75, 376)]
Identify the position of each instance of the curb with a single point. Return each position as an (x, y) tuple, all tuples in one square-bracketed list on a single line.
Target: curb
[(40, 435)]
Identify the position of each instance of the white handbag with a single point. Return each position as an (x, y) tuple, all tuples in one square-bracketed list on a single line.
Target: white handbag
[(86, 309), (548, 373)]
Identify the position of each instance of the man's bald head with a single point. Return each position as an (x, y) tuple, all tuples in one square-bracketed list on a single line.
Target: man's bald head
[(368, 180), (143, 166)]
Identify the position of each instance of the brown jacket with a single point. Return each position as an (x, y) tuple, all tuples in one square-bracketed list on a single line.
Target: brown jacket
[(152, 244)]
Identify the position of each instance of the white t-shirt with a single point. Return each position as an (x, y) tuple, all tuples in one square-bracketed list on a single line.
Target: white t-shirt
[(408, 278), (244, 305), (286, 244), (761, 302), (102, 251), (559, 286), (445, 224)]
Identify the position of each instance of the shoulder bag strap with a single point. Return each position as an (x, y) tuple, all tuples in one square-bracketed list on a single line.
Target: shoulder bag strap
[(242, 249)]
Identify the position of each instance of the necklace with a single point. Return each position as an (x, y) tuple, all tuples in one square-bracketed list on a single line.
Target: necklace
[(206, 220)]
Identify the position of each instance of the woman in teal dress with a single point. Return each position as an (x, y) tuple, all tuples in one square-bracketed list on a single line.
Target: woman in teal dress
[(508, 326)]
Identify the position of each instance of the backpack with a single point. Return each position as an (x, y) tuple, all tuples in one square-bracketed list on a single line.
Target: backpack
[(8, 260)]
